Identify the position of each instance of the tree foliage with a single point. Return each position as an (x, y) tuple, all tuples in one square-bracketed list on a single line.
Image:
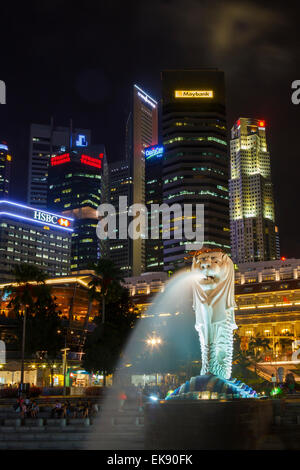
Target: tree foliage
[(32, 296), (104, 346)]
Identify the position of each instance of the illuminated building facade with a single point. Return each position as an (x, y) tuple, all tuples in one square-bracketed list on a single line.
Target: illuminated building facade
[(120, 185), (32, 236), (142, 131), (254, 235), (154, 195), (5, 169), (77, 185), (46, 140), (195, 165)]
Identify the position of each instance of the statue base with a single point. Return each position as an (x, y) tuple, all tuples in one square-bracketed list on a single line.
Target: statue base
[(207, 424), (210, 386)]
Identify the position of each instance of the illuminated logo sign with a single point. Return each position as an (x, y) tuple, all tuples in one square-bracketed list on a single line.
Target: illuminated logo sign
[(194, 94), (146, 97), (59, 159), (29, 214), (64, 222), (155, 151), (51, 218), (81, 141), (91, 161)]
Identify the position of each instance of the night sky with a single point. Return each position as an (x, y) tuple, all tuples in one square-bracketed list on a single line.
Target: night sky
[(79, 60)]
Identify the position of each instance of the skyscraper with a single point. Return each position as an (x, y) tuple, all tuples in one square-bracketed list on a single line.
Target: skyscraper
[(154, 195), (120, 185), (5, 170), (77, 186), (254, 235), (195, 167), (141, 132), (46, 140)]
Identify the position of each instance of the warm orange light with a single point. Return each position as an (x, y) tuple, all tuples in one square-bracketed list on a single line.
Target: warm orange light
[(283, 258), (64, 222), (262, 123)]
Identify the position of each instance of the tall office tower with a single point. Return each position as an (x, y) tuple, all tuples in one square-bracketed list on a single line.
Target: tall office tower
[(120, 185), (76, 188), (254, 235), (154, 195), (195, 166), (46, 140), (141, 132), (5, 170)]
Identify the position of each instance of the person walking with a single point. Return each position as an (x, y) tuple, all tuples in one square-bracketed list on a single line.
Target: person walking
[(122, 399)]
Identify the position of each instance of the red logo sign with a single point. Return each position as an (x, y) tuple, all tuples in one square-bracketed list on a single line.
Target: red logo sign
[(64, 222)]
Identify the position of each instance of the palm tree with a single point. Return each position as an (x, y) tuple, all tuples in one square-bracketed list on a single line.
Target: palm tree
[(284, 342), (29, 286), (93, 294), (259, 343), (108, 280)]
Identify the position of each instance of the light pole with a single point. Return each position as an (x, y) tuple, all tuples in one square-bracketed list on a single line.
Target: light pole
[(64, 350), (154, 342), (23, 350)]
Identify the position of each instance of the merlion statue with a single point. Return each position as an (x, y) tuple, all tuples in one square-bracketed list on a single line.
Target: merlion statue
[(213, 302)]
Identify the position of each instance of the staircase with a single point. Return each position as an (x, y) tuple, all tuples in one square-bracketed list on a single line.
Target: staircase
[(110, 430)]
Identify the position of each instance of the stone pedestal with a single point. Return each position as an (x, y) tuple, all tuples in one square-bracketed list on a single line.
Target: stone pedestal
[(207, 424)]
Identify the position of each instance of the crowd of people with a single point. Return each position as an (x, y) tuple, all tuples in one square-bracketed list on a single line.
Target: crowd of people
[(80, 409), (27, 408)]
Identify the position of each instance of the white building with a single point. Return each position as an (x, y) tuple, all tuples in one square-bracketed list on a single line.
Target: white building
[(254, 235)]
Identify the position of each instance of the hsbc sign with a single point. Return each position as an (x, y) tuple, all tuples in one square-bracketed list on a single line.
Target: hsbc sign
[(51, 218)]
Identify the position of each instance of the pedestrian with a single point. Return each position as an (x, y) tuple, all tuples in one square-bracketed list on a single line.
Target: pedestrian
[(86, 409), (34, 409), (56, 410), (140, 398), (122, 398), (290, 382)]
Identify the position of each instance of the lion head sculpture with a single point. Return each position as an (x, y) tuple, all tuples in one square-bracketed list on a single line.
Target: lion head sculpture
[(215, 275)]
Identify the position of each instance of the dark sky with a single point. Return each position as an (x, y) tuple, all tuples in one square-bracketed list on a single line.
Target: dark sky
[(79, 60)]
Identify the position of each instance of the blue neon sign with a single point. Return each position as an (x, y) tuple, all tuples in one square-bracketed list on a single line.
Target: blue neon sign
[(81, 141), (155, 151), (36, 216)]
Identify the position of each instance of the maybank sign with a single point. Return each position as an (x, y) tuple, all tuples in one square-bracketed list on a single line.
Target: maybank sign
[(194, 94)]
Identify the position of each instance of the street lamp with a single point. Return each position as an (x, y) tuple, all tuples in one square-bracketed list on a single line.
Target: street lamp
[(23, 350), (154, 341), (64, 350)]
